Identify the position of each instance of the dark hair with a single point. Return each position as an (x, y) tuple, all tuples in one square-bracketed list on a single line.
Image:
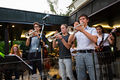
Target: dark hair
[(65, 25), (100, 27), (37, 23), (84, 16)]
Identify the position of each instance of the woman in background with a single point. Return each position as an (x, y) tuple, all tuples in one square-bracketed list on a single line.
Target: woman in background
[(14, 51), (103, 48)]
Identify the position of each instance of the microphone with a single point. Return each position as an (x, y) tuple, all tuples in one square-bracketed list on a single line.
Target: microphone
[(46, 16)]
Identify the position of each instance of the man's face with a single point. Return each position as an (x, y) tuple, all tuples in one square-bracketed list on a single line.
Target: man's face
[(99, 30), (83, 20), (63, 29), (37, 27)]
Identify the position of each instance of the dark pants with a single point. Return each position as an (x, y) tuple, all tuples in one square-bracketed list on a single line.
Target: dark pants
[(35, 62), (105, 59), (9, 74)]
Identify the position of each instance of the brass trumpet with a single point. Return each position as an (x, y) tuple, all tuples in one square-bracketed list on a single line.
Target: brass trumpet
[(29, 34), (72, 30), (51, 38)]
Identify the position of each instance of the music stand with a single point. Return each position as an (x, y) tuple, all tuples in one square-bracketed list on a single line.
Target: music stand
[(13, 63)]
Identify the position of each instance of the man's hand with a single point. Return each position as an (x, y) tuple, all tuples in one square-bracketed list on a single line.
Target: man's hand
[(59, 36), (37, 34), (111, 37), (97, 47), (79, 28)]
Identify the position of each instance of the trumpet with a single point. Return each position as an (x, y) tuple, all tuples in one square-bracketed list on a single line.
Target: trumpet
[(29, 34), (72, 30), (51, 38)]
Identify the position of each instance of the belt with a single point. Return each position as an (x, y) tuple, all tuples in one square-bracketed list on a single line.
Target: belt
[(34, 52), (86, 51), (65, 58)]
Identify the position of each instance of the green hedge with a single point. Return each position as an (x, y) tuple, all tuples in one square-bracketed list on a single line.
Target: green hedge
[(21, 43)]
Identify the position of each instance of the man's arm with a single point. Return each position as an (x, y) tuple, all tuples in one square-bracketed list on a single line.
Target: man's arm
[(111, 39), (28, 42), (66, 44), (93, 38), (71, 39), (72, 36), (54, 43)]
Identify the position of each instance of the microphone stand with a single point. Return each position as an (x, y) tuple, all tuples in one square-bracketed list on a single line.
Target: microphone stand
[(94, 64), (40, 43)]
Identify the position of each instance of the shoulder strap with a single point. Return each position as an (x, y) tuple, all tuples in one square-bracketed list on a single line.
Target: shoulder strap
[(102, 40)]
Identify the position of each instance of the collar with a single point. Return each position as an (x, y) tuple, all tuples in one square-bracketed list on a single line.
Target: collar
[(65, 35), (87, 27)]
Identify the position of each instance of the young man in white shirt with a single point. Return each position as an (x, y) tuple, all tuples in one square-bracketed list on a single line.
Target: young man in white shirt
[(86, 38)]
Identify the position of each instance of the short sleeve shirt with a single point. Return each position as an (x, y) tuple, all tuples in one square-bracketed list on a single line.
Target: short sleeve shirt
[(83, 42), (106, 43)]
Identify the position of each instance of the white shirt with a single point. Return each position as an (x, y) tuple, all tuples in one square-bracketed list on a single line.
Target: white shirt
[(82, 40), (106, 43), (71, 50)]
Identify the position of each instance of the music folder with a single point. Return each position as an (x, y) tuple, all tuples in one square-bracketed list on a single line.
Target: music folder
[(13, 62)]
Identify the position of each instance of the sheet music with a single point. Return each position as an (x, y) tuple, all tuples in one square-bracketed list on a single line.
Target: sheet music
[(21, 60)]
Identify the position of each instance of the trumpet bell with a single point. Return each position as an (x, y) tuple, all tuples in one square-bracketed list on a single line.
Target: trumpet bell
[(50, 39), (29, 34), (71, 30)]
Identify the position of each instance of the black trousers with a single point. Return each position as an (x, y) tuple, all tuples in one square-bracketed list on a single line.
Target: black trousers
[(9, 74), (35, 62), (105, 58)]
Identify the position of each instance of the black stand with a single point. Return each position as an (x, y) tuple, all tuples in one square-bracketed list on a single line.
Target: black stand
[(13, 63), (94, 64), (40, 43)]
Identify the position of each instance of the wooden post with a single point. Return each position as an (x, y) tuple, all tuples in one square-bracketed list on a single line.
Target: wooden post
[(6, 38)]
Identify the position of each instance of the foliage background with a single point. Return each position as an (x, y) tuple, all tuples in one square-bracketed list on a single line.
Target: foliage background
[(21, 44)]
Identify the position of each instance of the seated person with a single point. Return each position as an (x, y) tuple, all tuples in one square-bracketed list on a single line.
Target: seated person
[(14, 51)]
